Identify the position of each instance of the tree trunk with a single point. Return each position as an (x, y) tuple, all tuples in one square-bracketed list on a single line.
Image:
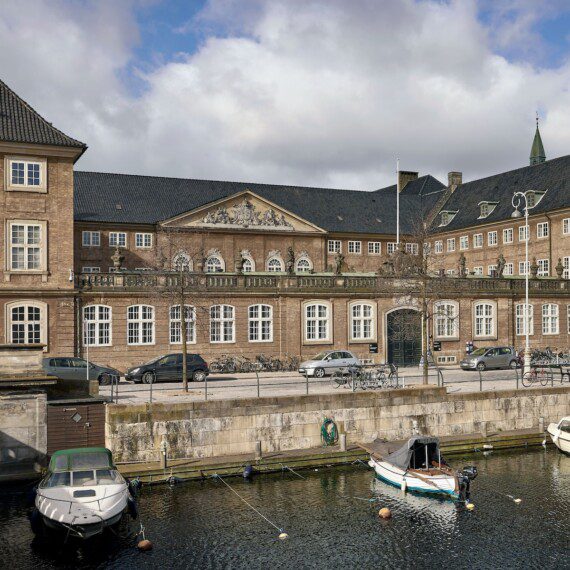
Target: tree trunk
[(425, 336), (183, 332)]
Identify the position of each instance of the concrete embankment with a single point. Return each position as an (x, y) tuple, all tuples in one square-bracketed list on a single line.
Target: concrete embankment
[(216, 429)]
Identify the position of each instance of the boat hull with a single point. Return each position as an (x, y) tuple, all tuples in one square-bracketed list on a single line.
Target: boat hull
[(560, 439), (442, 485)]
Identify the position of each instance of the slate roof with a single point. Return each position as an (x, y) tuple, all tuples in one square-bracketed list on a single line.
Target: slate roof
[(552, 176), (20, 123), (150, 199)]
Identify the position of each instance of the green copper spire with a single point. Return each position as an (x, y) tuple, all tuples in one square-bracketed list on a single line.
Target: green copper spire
[(537, 154)]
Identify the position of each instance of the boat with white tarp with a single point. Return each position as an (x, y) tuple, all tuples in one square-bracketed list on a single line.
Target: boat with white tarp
[(560, 434)]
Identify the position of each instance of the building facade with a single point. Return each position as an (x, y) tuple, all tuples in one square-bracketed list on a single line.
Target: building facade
[(106, 261)]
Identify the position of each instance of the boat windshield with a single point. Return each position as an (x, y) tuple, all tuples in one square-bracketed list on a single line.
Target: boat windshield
[(83, 478)]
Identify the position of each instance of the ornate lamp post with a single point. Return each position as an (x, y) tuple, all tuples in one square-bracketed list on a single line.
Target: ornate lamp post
[(517, 201)]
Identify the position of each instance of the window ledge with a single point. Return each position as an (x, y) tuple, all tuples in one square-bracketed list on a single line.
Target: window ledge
[(8, 274)]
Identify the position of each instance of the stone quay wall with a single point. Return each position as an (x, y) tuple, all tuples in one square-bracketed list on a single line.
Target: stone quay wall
[(232, 427)]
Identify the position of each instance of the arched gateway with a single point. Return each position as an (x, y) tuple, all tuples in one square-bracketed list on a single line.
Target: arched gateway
[(404, 337)]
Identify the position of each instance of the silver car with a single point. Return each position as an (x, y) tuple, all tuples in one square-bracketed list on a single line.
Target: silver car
[(494, 357), (327, 362)]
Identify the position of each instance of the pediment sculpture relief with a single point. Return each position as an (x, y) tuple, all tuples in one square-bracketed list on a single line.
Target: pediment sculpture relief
[(246, 215)]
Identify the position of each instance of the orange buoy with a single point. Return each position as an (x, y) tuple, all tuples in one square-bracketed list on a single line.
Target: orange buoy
[(385, 513), (144, 545)]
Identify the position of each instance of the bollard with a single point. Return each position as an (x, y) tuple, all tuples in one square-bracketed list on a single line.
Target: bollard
[(206, 388), (257, 374), (306, 383), (163, 448), (342, 441), (480, 381), (517, 376), (258, 455), (541, 425), (150, 391)]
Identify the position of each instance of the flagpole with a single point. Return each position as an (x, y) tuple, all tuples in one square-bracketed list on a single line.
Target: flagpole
[(398, 202)]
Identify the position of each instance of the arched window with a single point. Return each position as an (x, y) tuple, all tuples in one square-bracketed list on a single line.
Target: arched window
[(222, 323), (176, 324), (182, 262), (362, 321), (317, 321), (26, 322), (275, 265), (248, 265), (550, 319), (214, 264), (303, 265), (520, 319), (484, 320), (446, 319), (260, 323), (97, 325), (140, 324)]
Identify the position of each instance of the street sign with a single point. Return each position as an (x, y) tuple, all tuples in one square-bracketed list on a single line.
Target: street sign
[(373, 348), (436, 345)]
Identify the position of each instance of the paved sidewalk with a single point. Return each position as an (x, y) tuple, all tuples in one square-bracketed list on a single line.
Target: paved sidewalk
[(223, 387)]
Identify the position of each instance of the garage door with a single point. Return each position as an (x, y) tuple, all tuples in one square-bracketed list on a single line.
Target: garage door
[(75, 425)]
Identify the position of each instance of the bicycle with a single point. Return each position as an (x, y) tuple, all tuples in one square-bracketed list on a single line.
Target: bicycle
[(535, 375), (341, 378)]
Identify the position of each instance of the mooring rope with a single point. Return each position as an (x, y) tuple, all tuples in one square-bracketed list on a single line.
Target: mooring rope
[(216, 476), (283, 467)]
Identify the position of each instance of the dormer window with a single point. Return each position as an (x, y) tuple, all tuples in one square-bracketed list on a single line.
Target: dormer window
[(447, 216), (486, 208), (533, 197)]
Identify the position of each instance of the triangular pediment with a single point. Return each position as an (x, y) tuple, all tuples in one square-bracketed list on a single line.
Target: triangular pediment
[(243, 211)]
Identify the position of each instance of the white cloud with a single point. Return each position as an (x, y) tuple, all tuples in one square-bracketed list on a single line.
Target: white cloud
[(322, 92)]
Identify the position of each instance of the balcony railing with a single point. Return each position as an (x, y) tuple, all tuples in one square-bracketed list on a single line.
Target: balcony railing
[(350, 283)]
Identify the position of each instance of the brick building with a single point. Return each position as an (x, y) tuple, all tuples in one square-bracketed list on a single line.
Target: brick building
[(99, 258)]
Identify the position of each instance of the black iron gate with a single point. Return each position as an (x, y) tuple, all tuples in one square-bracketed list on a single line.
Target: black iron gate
[(404, 337)]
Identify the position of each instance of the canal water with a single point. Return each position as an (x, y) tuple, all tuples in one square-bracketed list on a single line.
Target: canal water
[(331, 523)]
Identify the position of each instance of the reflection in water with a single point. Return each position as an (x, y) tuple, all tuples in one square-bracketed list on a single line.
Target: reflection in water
[(331, 522)]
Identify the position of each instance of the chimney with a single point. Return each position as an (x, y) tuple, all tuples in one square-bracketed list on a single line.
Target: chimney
[(454, 179), (404, 177)]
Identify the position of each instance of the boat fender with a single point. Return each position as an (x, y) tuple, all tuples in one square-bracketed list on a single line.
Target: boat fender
[(133, 508), (469, 506), (283, 536), (404, 486), (247, 471), (144, 545), (385, 513), (135, 486)]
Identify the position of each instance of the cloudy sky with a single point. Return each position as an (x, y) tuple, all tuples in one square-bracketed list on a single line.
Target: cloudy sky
[(311, 92)]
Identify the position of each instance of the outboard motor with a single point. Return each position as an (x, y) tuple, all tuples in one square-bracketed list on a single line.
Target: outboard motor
[(470, 472), (465, 476)]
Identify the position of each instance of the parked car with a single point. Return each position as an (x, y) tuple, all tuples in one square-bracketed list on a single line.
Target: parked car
[(168, 368), (327, 362), (492, 357), (73, 368)]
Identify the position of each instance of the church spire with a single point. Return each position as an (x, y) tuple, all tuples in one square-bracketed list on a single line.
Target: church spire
[(537, 154)]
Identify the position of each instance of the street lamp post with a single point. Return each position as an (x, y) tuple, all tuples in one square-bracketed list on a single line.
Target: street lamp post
[(517, 201)]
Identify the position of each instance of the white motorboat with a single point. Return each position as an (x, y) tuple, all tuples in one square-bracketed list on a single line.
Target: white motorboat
[(82, 494), (418, 466), (560, 434)]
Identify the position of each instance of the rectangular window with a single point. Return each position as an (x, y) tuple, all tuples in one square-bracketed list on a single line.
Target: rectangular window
[(140, 324), (478, 270), (524, 268), (543, 267), (25, 174), (438, 246), (566, 265), (260, 323), (520, 320), (450, 244), (509, 269), (446, 321), (176, 324), (334, 246), (26, 246), (523, 233), (508, 235), (478, 240), (550, 319), (412, 248), (374, 247), (97, 325), (143, 240), (91, 239), (222, 324), (355, 247), (484, 320), (566, 226), (316, 322), (491, 270), (362, 321), (117, 239), (391, 248), (492, 238), (464, 243), (542, 230), (26, 324), (90, 269)]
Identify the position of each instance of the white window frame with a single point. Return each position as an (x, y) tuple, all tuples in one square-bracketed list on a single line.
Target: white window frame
[(477, 241), (139, 317), (90, 269), (260, 323), (312, 314), (143, 240), (463, 243), (374, 248), (491, 269), (26, 321), (566, 227), (305, 259), (175, 324), (97, 325), (450, 244), (248, 264), (478, 270), (438, 246), (412, 248), (275, 264), (492, 238), (550, 319), (519, 319), (210, 263), (181, 261), (485, 319), (90, 238), (41, 246), (543, 267), (508, 235), (334, 246), (354, 247), (566, 265), (542, 230), (391, 247), (524, 233), (222, 324), (362, 319), (446, 320), (509, 268), (26, 187), (118, 239)]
